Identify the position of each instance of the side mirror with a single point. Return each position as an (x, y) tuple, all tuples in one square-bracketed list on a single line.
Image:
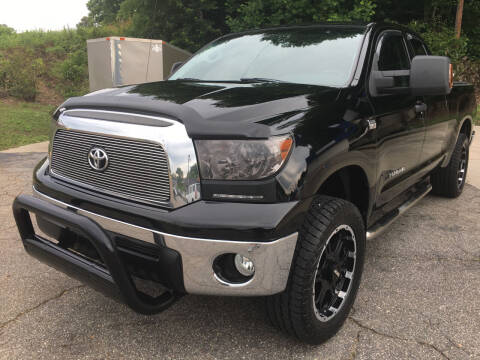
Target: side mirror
[(431, 75), (390, 82), (176, 66)]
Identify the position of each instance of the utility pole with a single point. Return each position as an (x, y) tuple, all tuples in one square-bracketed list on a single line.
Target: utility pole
[(458, 19)]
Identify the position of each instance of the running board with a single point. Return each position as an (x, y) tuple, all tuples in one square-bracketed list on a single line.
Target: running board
[(379, 227)]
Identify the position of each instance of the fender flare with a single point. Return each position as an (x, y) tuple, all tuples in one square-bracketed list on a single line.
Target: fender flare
[(333, 160), (453, 139)]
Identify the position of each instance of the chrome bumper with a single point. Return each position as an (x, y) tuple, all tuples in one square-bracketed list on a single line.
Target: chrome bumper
[(272, 260)]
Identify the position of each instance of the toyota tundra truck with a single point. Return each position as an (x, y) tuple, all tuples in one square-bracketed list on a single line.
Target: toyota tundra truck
[(260, 167)]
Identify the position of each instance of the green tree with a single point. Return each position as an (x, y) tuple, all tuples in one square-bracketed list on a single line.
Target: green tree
[(435, 21), (262, 13), (192, 23), (470, 27), (102, 11), (6, 30), (188, 24), (193, 173), (19, 73)]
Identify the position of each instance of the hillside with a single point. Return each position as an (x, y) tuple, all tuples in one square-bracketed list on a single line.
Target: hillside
[(45, 67)]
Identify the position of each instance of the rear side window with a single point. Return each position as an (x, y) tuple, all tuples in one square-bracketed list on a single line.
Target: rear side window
[(393, 54), (417, 46)]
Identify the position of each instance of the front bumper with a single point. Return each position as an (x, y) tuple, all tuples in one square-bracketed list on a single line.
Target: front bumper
[(186, 263)]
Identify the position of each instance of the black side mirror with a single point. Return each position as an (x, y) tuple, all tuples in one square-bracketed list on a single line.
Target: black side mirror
[(176, 66), (390, 82), (431, 75)]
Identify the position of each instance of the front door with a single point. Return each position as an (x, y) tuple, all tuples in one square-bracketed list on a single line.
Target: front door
[(400, 124), (436, 113)]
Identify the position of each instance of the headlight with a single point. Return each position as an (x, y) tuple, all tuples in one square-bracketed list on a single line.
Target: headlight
[(242, 159)]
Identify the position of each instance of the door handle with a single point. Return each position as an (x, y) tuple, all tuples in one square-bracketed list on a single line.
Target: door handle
[(367, 125), (372, 124), (420, 108)]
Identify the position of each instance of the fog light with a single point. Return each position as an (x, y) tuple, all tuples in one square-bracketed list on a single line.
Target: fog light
[(244, 265)]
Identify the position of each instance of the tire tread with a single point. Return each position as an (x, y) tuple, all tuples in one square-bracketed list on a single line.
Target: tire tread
[(285, 310), (444, 180)]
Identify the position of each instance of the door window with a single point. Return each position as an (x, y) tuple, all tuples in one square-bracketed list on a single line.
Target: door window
[(417, 46), (393, 54)]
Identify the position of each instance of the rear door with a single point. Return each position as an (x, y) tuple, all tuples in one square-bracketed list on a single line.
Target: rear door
[(400, 127), (436, 113)]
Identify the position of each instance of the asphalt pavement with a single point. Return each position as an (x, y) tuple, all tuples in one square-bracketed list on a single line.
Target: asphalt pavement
[(419, 297)]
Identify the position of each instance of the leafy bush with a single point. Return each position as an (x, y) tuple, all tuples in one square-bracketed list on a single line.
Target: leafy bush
[(468, 70), (5, 30), (23, 57), (56, 50), (260, 13), (19, 74), (72, 74), (441, 40)]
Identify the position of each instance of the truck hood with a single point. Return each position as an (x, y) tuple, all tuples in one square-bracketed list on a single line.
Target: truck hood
[(212, 110)]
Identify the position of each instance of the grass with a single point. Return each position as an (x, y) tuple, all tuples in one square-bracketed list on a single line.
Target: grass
[(23, 123), (476, 121)]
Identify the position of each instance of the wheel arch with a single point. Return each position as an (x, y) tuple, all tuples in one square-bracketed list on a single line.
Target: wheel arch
[(465, 126), (349, 182)]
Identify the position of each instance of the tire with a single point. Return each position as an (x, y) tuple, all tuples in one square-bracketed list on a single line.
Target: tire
[(450, 180), (329, 222)]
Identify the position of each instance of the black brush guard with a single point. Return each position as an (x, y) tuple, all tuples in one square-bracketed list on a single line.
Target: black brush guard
[(112, 280)]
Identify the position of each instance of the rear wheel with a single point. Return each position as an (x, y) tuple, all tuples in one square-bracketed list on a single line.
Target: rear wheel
[(450, 180), (325, 274)]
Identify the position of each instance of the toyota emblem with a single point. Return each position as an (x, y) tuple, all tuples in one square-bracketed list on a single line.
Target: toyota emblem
[(98, 159)]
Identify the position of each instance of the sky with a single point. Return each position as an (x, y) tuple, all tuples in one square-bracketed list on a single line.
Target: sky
[(42, 14)]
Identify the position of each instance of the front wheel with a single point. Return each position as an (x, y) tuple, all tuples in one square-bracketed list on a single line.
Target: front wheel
[(325, 274)]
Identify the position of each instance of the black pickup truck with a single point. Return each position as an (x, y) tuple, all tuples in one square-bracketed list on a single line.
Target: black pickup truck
[(259, 168)]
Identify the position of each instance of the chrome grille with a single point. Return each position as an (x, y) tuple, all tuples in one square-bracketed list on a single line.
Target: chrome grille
[(137, 170)]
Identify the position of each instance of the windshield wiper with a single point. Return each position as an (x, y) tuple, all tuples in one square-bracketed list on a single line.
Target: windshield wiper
[(259, 79), (243, 80), (188, 79)]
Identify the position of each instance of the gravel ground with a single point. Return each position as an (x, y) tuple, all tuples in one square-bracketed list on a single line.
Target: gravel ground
[(419, 298)]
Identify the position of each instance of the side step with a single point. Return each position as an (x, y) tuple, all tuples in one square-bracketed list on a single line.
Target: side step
[(379, 227)]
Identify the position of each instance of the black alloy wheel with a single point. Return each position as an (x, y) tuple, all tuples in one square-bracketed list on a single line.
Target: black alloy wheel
[(325, 273), (334, 274), (462, 167)]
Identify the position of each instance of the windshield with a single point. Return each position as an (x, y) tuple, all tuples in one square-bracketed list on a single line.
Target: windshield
[(310, 55)]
